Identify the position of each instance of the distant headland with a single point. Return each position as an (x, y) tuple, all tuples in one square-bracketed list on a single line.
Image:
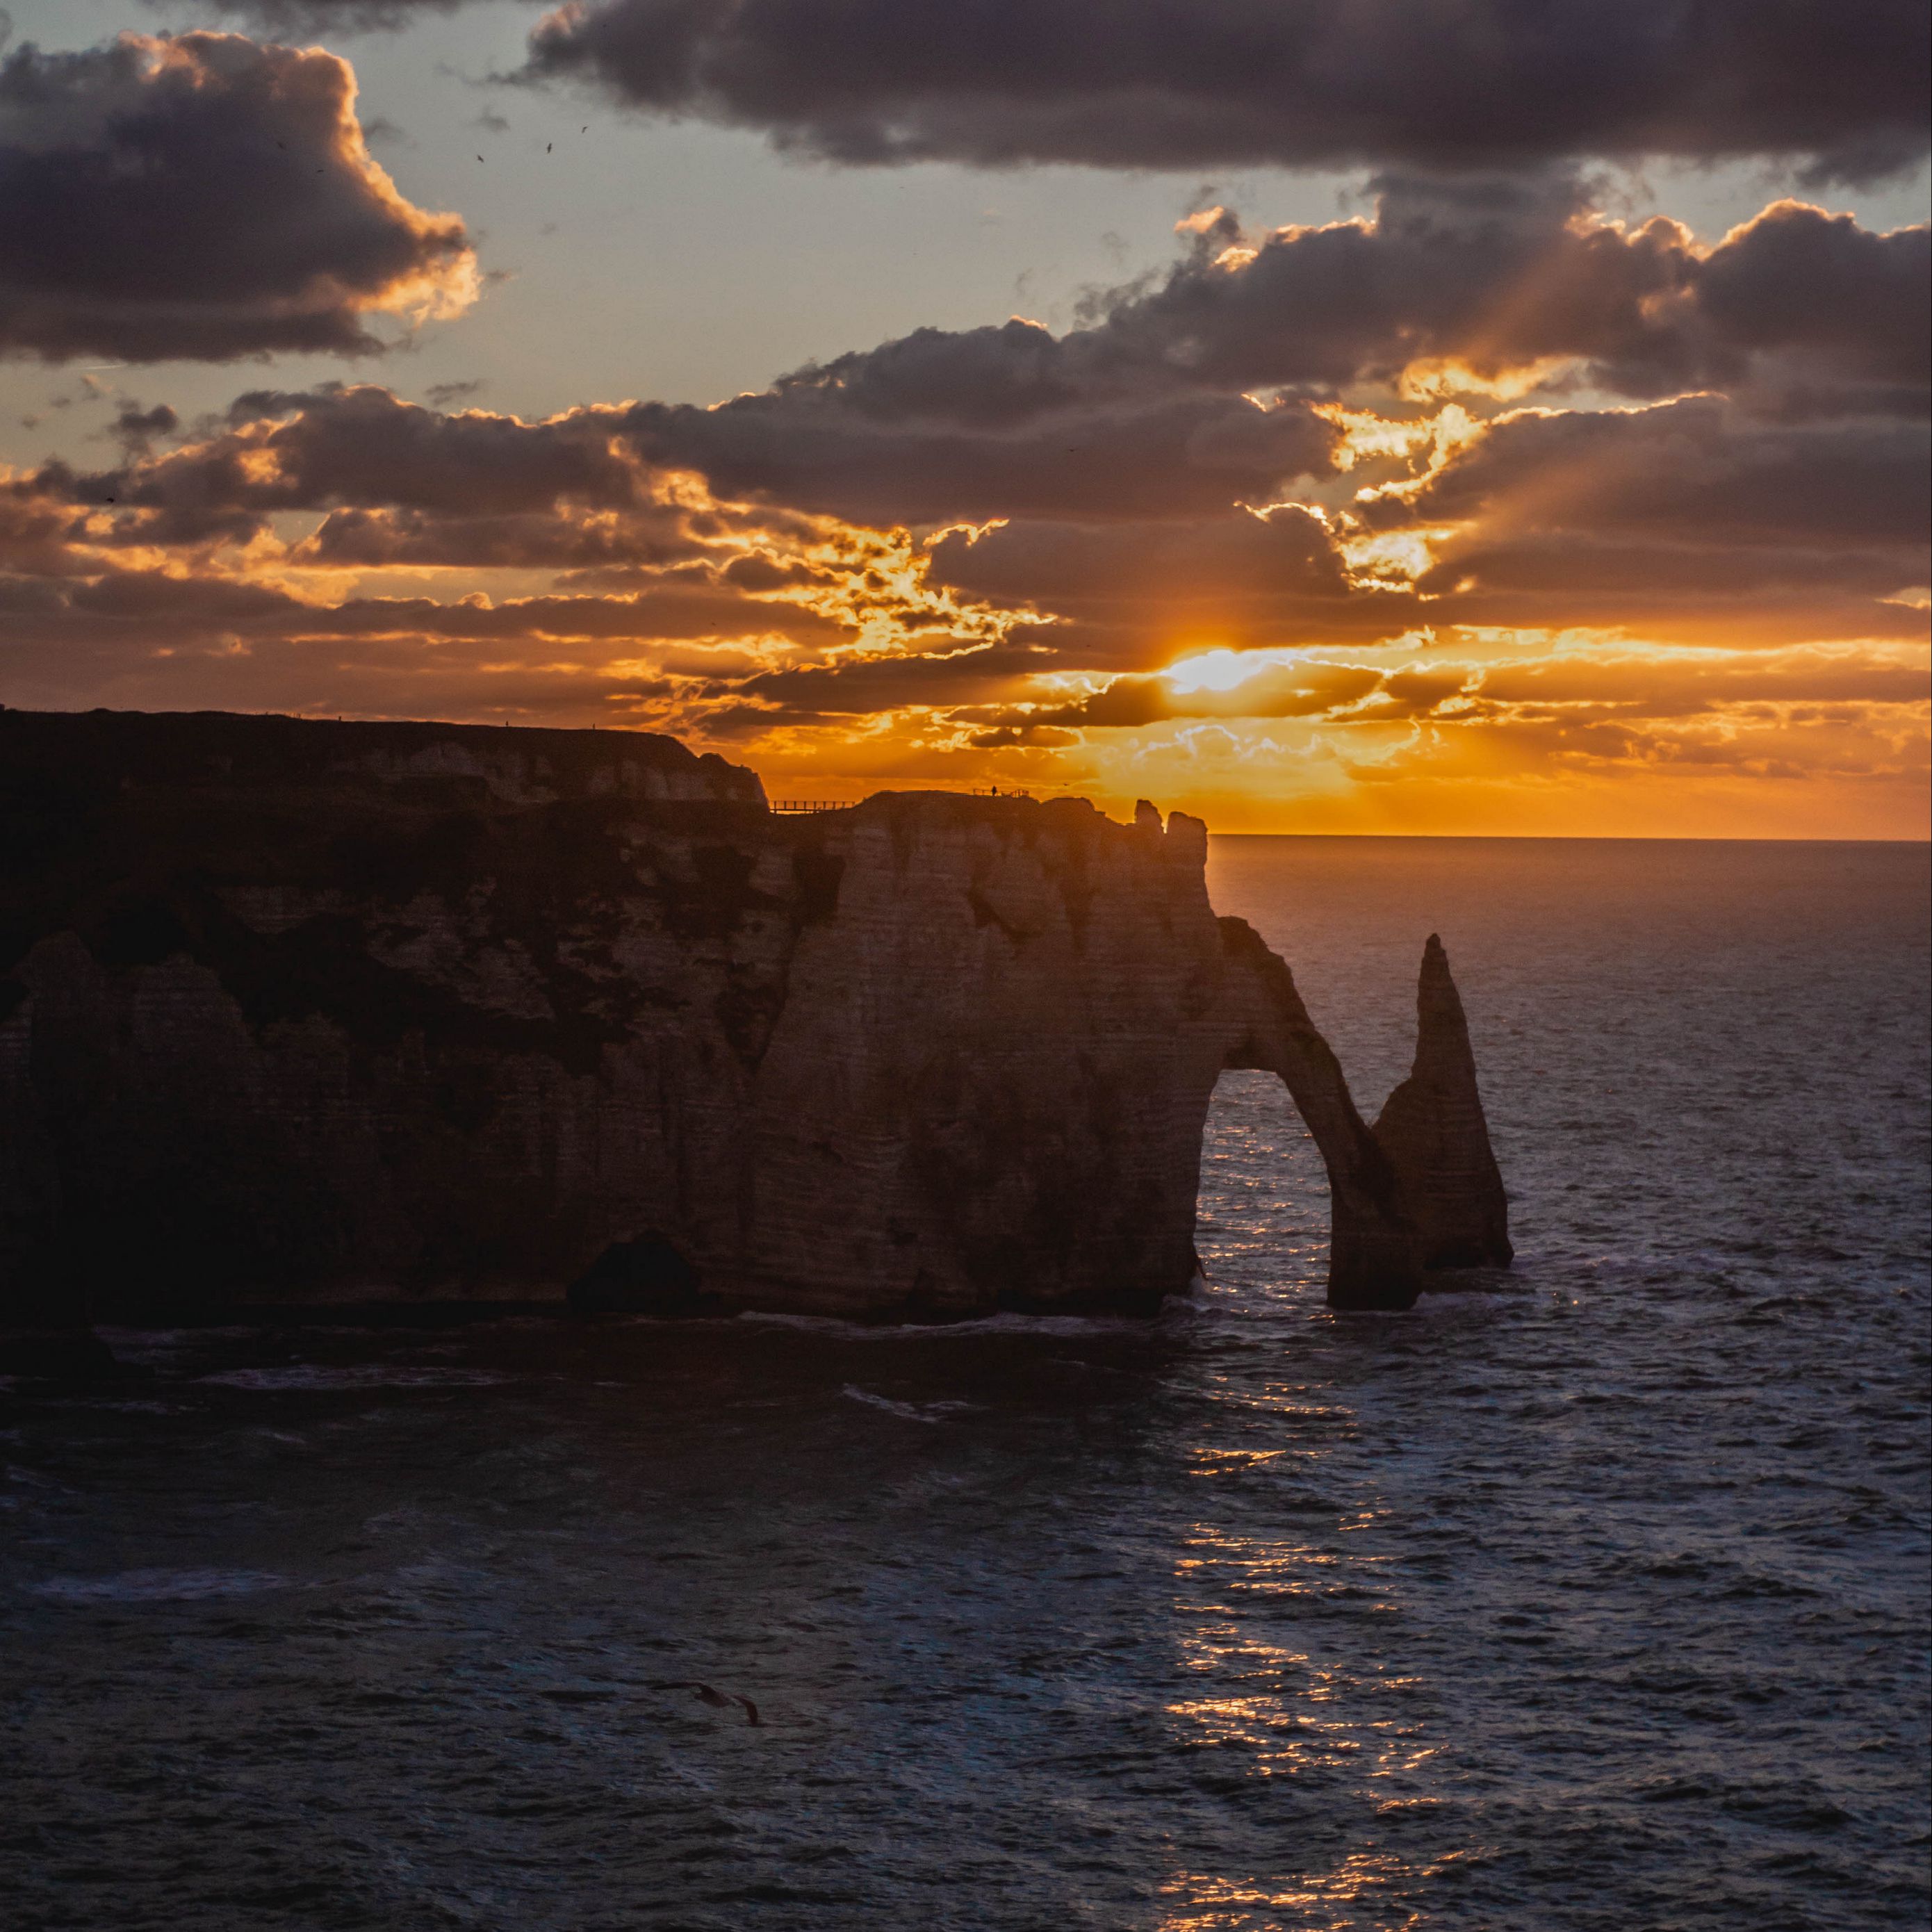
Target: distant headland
[(311, 1013)]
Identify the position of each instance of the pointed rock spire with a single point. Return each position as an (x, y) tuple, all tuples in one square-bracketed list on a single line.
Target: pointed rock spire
[(1433, 1132)]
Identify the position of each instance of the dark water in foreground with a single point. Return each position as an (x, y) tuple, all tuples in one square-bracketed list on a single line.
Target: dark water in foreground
[(1599, 1601)]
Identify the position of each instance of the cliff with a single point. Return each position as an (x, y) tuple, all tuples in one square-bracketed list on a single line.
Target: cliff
[(302, 1012)]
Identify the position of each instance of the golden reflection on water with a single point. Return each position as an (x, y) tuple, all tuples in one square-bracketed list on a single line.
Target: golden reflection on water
[(1279, 1712), (1206, 1903), (1283, 1701)]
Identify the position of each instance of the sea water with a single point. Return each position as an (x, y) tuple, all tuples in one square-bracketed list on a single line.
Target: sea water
[(1591, 1596)]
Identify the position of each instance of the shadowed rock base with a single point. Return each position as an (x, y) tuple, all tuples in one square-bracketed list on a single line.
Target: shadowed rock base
[(1433, 1131), (646, 1277), (69, 1354), (365, 1015)]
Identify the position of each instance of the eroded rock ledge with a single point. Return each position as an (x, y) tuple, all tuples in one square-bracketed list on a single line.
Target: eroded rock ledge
[(306, 1012)]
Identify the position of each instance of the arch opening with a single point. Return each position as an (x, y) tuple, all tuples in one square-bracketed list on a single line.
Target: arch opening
[(1262, 1208)]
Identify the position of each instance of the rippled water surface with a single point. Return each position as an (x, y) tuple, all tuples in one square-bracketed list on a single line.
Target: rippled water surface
[(1596, 1598)]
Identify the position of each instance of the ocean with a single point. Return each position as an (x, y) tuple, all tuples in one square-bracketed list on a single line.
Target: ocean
[(1594, 1595)]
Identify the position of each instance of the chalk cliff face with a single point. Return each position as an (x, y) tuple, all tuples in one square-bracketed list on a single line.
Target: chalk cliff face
[(298, 1012)]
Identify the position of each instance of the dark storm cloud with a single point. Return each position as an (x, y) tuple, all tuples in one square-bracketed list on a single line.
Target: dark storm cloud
[(1212, 83), (203, 196)]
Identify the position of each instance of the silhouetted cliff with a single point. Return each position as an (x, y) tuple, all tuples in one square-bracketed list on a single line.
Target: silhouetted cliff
[(302, 1012), (1433, 1129)]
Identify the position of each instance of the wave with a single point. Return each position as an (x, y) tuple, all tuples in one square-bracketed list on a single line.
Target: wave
[(367, 1375), (158, 1586), (913, 1412), (1174, 1309)]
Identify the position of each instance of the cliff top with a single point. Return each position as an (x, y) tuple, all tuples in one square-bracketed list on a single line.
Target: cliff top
[(193, 759), (521, 763)]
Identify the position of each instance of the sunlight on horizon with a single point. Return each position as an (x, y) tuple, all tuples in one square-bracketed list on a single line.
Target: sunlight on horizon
[(1221, 669)]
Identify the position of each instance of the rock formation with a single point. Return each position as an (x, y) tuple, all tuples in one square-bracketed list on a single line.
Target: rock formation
[(1432, 1129), (298, 1012)]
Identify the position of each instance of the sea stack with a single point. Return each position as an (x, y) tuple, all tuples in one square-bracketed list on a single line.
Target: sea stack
[(1434, 1132), (315, 1014)]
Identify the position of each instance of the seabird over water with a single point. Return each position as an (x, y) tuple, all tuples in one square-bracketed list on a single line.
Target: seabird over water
[(718, 1700)]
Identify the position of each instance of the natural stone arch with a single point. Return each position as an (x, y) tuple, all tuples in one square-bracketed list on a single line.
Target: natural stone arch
[(1374, 1256)]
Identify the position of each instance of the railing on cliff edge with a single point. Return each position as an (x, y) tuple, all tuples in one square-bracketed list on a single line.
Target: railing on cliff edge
[(792, 807)]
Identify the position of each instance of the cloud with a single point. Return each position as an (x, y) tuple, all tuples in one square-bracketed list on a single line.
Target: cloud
[(1484, 490), (1214, 83), (1179, 400), (1496, 277), (1798, 281), (1129, 594), (202, 196), (1299, 688), (862, 687), (326, 17), (1744, 711), (1694, 520), (806, 444), (1696, 471), (360, 448), (298, 546), (1670, 685)]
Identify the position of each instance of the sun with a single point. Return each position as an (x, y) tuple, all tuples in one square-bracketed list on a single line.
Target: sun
[(1220, 669)]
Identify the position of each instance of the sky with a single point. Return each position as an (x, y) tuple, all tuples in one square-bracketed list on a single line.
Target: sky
[(1474, 416)]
